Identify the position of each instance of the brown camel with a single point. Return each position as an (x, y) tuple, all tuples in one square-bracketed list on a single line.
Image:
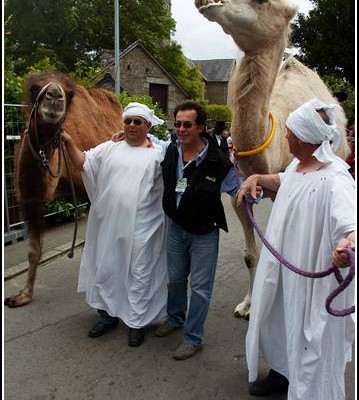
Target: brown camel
[(262, 92), (56, 103)]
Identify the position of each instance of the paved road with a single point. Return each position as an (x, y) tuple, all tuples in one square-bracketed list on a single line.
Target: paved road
[(48, 355)]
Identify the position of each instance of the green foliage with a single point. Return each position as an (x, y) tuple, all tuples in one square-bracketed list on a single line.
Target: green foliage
[(336, 85), (69, 31), (160, 130), (187, 75), (217, 112), (326, 38), (146, 20), (60, 210), (85, 74), (13, 87)]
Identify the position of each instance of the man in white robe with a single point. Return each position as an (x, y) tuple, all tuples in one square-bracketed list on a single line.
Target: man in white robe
[(312, 221), (123, 268)]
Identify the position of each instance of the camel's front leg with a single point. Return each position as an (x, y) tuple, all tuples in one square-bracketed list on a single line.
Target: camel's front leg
[(34, 227), (250, 258)]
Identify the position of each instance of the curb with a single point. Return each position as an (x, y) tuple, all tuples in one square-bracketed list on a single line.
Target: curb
[(49, 256)]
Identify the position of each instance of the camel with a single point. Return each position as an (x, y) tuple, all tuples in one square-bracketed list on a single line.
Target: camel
[(263, 90), (56, 103)]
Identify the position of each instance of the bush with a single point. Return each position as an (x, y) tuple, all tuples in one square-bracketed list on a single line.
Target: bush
[(60, 210), (217, 112)]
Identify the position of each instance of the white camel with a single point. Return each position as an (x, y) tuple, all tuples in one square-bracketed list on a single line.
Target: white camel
[(262, 92)]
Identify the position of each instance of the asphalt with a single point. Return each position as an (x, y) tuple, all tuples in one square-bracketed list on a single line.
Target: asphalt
[(57, 241)]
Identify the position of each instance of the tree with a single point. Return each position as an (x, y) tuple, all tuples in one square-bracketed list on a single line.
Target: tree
[(69, 32), (326, 38)]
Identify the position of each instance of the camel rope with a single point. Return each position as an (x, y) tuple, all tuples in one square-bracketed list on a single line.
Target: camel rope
[(342, 282)]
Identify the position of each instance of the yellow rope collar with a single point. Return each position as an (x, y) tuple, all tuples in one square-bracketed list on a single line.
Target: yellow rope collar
[(263, 145)]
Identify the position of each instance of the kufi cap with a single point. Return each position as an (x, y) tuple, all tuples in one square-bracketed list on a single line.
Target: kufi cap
[(141, 110), (308, 126)]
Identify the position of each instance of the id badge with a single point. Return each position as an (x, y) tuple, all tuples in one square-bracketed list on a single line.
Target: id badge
[(181, 185)]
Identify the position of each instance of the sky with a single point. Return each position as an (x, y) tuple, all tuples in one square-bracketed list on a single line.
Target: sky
[(204, 40)]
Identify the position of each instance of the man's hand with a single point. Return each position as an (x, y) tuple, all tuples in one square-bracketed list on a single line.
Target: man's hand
[(340, 256), (118, 136), (250, 185)]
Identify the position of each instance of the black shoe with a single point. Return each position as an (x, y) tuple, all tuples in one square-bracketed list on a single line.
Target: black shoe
[(100, 329), (136, 337), (273, 383)]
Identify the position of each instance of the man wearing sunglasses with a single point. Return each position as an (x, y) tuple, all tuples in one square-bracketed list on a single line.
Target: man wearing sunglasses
[(123, 267), (195, 173)]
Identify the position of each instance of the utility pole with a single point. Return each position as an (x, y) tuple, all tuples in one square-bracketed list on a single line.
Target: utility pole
[(117, 46)]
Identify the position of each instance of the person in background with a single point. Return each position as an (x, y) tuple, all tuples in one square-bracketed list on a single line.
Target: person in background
[(311, 225), (219, 134), (123, 268)]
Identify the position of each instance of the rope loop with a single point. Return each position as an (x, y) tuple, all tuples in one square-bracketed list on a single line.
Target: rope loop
[(343, 282)]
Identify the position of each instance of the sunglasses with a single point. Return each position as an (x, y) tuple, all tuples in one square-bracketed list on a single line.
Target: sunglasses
[(135, 121), (186, 124)]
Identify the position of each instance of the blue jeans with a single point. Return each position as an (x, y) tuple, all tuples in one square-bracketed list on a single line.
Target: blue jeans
[(191, 257)]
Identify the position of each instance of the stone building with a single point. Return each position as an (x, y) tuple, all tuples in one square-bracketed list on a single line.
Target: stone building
[(216, 74), (141, 74)]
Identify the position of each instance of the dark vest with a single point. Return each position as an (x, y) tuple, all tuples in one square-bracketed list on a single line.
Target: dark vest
[(200, 209)]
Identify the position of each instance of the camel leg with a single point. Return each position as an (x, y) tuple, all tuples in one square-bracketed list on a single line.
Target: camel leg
[(34, 213), (250, 258)]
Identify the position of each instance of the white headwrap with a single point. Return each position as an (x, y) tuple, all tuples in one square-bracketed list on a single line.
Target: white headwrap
[(308, 126), (141, 110)]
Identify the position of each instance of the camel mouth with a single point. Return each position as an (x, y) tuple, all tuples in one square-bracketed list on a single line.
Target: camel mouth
[(212, 3), (51, 117)]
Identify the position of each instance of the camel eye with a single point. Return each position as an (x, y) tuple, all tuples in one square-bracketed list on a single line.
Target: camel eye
[(261, 1)]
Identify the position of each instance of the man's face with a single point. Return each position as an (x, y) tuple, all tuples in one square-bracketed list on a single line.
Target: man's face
[(136, 129), (292, 141), (187, 131)]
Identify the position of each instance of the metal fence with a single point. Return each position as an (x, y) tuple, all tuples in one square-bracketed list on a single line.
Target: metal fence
[(14, 125)]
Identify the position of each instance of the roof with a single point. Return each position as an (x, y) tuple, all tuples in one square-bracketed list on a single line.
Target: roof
[(216, 70), (111, 61)]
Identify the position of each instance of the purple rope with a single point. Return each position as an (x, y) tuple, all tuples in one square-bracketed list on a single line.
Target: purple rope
[(343, 282)]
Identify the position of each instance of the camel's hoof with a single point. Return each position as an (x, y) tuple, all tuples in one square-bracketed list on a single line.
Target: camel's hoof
[(242, 310), (12, 302), (245, 315)]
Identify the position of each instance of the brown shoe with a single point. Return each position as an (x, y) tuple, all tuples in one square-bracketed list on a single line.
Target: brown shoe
[(186, 350), (165, 329)]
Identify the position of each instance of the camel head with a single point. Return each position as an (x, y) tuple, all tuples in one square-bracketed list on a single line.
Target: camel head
[(253, 24), (49, 95)]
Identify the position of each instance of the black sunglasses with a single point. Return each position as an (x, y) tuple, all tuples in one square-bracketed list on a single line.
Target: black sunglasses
[(186, 124), (135, 121)]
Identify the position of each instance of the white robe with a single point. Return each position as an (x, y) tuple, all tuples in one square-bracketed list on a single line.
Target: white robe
[(123, 267), (289, 325)]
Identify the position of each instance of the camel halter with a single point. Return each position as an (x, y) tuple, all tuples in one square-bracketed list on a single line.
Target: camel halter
[(257, 150), (40, 154)]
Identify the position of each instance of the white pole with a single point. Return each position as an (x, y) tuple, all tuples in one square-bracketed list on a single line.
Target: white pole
[(117, 47)]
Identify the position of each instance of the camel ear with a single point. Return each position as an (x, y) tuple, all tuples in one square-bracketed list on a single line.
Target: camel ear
[(69, 95), (34, 90)]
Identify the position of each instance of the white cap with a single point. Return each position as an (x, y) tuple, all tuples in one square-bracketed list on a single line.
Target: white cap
[(141, 110), (308, 126)]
